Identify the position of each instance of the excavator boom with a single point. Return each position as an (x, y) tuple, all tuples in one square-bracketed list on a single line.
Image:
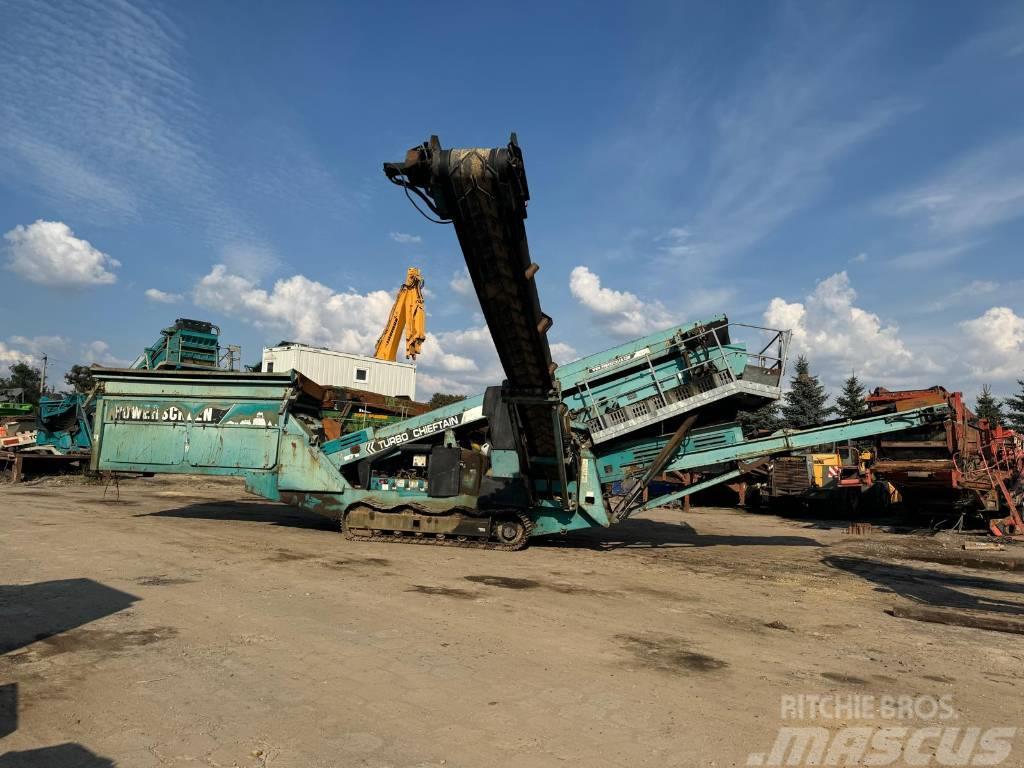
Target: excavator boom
[(408, 315)]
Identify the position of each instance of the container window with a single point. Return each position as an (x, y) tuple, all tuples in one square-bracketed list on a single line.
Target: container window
[(362, 374), (270, 367)]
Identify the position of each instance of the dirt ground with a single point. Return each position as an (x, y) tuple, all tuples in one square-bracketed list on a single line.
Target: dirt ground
[(189, 624)]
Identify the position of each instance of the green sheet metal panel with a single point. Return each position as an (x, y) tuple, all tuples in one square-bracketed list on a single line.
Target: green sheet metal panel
[(304, 466), (146, 444), (235, 447), (195, 384), (215, 422), (201, 434)]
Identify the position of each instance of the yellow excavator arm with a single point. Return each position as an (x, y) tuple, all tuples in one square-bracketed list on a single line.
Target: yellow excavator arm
[(407, 314)]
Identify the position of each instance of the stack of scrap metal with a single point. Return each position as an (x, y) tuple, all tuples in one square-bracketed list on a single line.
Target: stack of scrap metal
[(65, 423), (343, 410), (962, 462)]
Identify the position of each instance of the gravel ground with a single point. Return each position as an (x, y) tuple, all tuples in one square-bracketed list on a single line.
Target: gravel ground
[(185, 623)]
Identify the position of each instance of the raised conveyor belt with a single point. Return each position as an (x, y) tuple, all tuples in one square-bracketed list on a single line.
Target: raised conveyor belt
[(483, 192)]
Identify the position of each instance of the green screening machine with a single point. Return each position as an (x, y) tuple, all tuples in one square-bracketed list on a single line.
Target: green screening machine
[(537, 454)]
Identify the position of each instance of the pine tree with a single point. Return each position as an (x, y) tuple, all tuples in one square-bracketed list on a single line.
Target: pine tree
[(764, 420), (440, 399), (1015, 409), (806, 401), (850, 403), (987, 407)]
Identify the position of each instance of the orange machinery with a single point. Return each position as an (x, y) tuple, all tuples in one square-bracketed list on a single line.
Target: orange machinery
[(963, 461)]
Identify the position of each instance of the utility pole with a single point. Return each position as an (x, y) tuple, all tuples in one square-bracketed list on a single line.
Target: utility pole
[(42, 381)]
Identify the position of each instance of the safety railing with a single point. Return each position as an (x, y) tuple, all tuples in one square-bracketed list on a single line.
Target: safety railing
[(711, 370)]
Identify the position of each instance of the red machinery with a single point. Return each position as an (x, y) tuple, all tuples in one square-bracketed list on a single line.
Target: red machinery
[(963, 461)]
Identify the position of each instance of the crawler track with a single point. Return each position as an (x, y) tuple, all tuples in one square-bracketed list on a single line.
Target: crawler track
[(386, 536)]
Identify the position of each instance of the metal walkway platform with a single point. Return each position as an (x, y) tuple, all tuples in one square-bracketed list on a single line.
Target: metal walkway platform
[(655, 409)]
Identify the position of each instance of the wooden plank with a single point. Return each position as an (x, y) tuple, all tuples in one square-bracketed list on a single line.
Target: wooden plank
[(959, 619), (17, 461)]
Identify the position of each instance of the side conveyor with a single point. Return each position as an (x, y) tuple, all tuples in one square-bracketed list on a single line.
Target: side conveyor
[(719, 448)]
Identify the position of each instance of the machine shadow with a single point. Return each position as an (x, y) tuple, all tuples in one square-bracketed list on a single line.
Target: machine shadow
[(636, 533), (8, 709), (654, 534), (250, 512), (33, 612), (838, 521), (61, 756), (935, 588)]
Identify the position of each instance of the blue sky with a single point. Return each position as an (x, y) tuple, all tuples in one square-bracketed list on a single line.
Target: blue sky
[(852, 171)]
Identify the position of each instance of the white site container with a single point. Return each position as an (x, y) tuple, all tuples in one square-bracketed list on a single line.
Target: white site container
[(342, 369)]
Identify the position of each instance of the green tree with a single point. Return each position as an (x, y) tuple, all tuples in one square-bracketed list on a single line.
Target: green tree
[(80, 379), (764, 420), (987, 407), (440, 399), (24, 376), (1014, 406), (850, 403), (806, 402)]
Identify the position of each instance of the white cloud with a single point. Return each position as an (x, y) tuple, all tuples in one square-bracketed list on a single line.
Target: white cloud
[(563, 353), (106, 121), (619, 312), (777, 138), (466, 362), (435, 356), (733, 159), (65, 175), (838, 336), (61, 351), (461, 361), (983, 188), (972, 290), (927, 258), (402, 237), (48, 253), (860, 258), (37, 346), (99, 353), (305, 309), (772, 164), (162, 297), (10, 354), (707, 301), (252, 260), (995, 345), (106, 65), (461, 283), (678, 243)]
